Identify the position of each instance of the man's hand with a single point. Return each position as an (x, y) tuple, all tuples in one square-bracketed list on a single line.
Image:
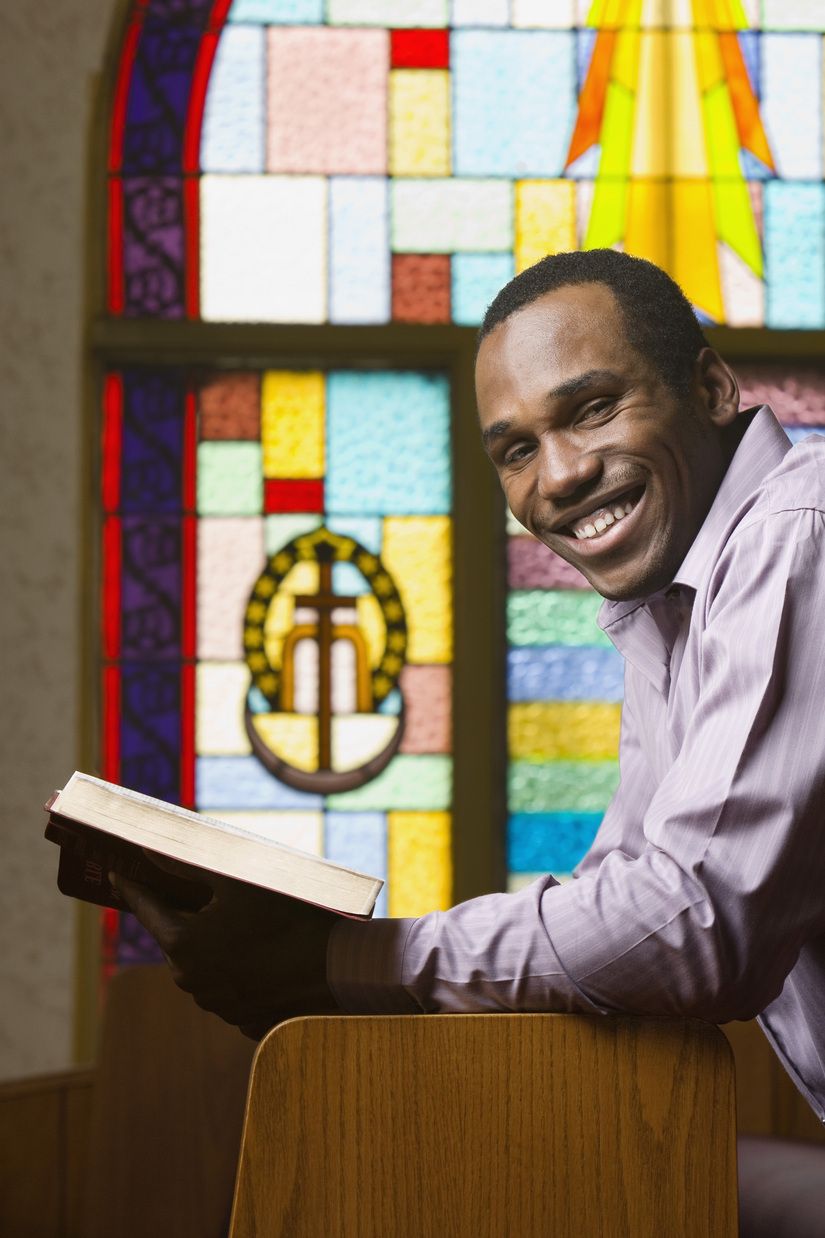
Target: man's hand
[(250, 956)]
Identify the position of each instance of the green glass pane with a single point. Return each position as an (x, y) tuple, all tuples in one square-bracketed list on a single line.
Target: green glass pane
[(554, 617), (561, 786)]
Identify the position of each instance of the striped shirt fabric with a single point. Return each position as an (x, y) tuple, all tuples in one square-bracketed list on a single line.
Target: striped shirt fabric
[(704, 892)]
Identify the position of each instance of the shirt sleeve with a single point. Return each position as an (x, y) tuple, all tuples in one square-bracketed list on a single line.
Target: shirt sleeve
[(708, 918)]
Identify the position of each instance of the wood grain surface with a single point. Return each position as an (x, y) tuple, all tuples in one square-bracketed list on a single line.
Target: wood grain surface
[(499, 1125), (44, 1129), (167, 1112)]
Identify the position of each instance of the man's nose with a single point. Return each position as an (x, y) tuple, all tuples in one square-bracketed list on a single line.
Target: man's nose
[(564, 467)]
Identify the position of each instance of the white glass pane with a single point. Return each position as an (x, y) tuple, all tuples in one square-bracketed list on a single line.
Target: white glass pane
[(263, 248)]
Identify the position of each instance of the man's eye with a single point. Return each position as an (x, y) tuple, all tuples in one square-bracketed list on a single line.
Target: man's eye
[(514, 455), (596, 408)]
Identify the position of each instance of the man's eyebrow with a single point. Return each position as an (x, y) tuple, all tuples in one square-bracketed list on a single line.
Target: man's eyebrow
[(581, 382), (573, 386), (497, 430)]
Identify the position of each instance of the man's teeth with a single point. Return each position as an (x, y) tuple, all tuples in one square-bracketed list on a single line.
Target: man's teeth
[(606, 517)]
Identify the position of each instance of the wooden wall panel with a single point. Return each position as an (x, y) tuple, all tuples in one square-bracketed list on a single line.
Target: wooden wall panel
[(44, 1154), (767, 1103)]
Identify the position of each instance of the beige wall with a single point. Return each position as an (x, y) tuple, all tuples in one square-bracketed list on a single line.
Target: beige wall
[(48, 56)]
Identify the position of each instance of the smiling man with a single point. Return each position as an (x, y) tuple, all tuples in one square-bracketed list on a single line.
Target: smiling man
[(617, 436)]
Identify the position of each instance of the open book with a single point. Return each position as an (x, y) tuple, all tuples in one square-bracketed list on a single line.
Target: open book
[(101, 827)]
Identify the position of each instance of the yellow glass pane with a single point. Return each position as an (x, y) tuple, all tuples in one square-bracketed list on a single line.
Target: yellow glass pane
[(545, 220), (667, 14), (646, 231), (607, 215), (612, 13), (735, 223), (721, 14), (688, 156), (617, 132), (625, 68), (419, 137), (695, 265), (417, 552), (292, 737), (371, 626), (280, 618), (650, 134), (708, 59), (303, 578), (558, 730), (292, 424), (722, 137), (419, 862)]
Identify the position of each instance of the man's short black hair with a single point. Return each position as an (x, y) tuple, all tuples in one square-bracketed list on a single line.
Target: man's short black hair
[(659, 319)]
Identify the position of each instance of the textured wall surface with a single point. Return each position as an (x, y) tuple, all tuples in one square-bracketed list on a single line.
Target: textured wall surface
[(48, 56)]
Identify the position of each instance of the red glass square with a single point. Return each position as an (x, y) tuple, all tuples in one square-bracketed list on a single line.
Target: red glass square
[(421, 287), (420, 49), (293, 495)]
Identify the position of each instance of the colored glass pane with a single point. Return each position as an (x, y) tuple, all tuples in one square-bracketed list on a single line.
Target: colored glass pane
[(359, 281), (234, 122), (419, 141), (287, 670), (327, 100), (264, 248), (421, 287), (420, 49), (419, 862), (332, 141)]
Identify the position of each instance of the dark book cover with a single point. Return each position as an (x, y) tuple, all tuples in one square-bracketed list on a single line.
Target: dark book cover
[(87, 856)]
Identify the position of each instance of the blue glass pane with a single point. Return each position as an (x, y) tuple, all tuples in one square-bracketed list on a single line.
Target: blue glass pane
[(367, 530), (243, 783), (585, 42), (150, 729), (515, 98), (561, 673), (153, 403), (278, 12), (388, 443), (234, 117), (792, 89), (795, 254), (749, 42), (359, 840), (549, 842), (347, 581), (159, 96), (476, 280), (360, 250)]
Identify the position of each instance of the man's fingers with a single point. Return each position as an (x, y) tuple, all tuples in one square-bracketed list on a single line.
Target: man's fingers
[(156, 916)]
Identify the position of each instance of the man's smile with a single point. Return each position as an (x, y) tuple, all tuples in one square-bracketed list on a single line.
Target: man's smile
[(603, 512)]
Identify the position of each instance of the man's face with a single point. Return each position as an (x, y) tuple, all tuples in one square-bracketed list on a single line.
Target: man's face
[(598, 458)]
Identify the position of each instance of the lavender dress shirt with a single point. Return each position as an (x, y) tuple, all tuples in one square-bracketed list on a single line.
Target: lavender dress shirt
[(704, 891)]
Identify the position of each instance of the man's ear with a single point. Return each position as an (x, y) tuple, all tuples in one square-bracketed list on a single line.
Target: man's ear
[(718, 387)]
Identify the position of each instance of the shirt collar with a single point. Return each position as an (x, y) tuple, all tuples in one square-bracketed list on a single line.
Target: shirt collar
[(761, 449), (763, 446)]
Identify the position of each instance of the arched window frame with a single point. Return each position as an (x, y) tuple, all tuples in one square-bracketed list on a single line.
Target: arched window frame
[(479, 554)]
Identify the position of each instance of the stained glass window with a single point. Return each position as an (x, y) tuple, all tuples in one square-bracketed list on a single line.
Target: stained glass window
[(362, 161), (565, 678), (277, 611)]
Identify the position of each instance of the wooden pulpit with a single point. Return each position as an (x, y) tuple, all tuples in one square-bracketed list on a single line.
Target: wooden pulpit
[(479, 1126)]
